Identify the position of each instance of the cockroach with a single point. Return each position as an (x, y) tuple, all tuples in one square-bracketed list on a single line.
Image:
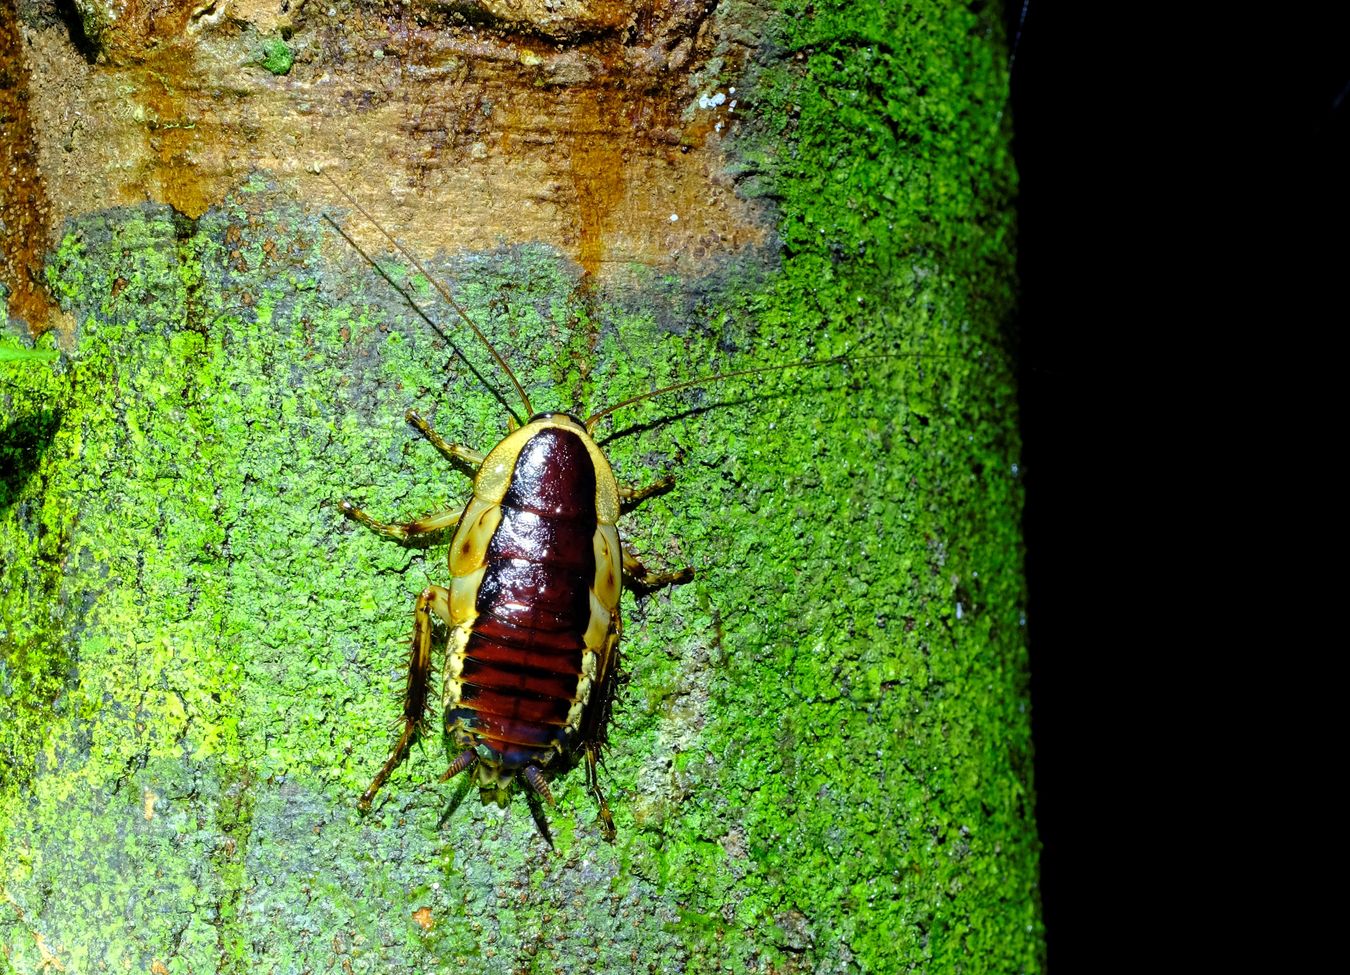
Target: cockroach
[(536, 566), (532, 609)]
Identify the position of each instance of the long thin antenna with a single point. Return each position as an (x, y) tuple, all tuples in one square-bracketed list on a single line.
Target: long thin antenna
[(594, 418), (422, 314), (1017, 37), (444, 292)]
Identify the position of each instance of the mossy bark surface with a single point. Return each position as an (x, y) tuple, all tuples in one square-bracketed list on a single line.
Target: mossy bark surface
[(821, 754)]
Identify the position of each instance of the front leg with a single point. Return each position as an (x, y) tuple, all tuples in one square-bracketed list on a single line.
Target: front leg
[(631, 497), (450, 451), (404, 531)]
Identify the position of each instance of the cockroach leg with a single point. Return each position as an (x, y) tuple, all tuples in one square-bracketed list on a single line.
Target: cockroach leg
[(536, 782), (450, 451), (638, 576), (434, 599), (593, 780), (631, 497), (404, 531)]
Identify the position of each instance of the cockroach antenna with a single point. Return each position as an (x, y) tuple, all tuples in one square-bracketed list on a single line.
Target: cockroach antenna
[(435, 283)]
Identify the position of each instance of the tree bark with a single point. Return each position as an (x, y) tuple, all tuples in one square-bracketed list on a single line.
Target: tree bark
[(821, 754)]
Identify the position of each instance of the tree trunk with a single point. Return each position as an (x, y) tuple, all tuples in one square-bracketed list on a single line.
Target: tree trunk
[(820, 756)]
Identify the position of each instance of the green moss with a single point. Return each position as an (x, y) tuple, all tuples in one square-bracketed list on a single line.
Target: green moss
[(821, 755), (277, 56)]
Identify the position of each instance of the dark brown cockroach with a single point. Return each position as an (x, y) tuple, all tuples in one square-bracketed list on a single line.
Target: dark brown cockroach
[(536, 566), (532, 609)]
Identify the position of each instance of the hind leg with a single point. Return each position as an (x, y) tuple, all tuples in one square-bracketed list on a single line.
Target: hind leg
[(434, 599), (593, 781)]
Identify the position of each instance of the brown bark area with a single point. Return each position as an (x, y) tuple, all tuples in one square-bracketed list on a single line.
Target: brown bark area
[(466, 126), (25, 215)]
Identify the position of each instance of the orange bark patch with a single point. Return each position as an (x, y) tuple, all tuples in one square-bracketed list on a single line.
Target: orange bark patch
[(576, 124)]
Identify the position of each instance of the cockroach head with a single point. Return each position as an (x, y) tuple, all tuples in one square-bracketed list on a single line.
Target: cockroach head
[(555, 413)]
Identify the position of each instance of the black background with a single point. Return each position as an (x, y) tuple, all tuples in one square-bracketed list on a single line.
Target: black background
[(1044, 102), (1109, 215), (1084, 342), (1182, 236)]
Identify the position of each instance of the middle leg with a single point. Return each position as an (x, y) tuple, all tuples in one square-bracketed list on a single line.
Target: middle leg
[(636, 575)]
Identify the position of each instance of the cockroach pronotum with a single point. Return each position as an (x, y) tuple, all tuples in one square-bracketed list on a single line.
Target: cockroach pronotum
[(532, 608)]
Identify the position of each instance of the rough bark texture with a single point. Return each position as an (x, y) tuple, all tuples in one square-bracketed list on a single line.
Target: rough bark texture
[(821, 756)]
